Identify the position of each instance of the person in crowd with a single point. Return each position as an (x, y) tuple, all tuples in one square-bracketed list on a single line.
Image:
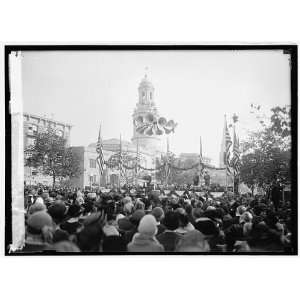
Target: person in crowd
[(90, 236), (192, 241), (158, 214), (141, 220), (39, 232), (134, 219), (64, 246), (72, 224), (144, 240), (169, 238), (184, 224)]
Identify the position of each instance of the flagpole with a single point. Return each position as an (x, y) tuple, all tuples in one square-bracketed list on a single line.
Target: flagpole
[(234, 137), (200, 161), (168, 149), (120, 162), (137, 160), (99, 165), (236, 149), (224, 154)]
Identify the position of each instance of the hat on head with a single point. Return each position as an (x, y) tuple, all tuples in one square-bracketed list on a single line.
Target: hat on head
[(124, 224), (240, 210), (74, 210), (119, 216), (91, 196), (180, 210), (192, 241), (126, 199), (148, 226), (128, 207), (39, 200), (246, 217), (158, 213), (38, 220), (110, 230), (207, 226), (210, 208), (137, 216), (36, 207), (92, 218), (57, 210)]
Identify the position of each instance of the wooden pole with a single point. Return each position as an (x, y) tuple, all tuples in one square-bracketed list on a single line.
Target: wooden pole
[(120, 162), (137, 160), (234, 141), (200, 161)]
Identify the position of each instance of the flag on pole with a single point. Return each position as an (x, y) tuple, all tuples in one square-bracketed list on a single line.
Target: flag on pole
[(99, 150), (121, 167), (235, 162), (227, 145), (201, 158)]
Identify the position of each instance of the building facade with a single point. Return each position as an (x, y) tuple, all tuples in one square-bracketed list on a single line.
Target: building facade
[(90, 176), (32, 124)]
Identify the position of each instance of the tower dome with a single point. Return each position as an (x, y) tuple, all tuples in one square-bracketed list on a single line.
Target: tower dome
[(146, 108), (146, 91)]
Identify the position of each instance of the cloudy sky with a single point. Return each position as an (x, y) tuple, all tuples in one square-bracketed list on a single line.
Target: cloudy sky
[(195, 88)]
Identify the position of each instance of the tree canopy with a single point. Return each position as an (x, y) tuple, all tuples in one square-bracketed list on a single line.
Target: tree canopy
[(266, 152), (51, 156)]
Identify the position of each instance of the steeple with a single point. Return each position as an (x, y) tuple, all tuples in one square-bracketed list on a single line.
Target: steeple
[(144, 111), (146, 90)]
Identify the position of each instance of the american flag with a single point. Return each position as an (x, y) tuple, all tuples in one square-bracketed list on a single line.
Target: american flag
[(99, 150), (121, 161), (137, 158), (201, 159), (228, 144), (235, 162)]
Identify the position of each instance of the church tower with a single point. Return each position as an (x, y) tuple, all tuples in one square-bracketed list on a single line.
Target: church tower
[(146, 109)]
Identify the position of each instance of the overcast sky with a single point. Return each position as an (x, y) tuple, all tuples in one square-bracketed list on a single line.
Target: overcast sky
[(195, 88)]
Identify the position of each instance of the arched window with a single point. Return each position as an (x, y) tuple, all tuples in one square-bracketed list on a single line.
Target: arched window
[(150, 95)]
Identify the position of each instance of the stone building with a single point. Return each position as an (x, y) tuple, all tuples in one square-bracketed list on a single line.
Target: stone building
[(90, 176), (32, 124)]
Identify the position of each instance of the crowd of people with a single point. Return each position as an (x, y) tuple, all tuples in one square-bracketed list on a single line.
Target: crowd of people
[(142, 220)]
